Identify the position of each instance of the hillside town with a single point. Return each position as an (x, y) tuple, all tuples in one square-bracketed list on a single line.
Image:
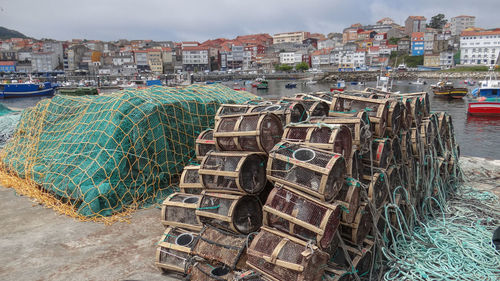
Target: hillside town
[(429, 44)]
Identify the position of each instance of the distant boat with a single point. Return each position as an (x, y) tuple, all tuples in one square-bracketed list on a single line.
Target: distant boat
[(18, 90), (384, 83), (311, 82), (263, 84), (418, 82), (447, 90), (291, 85), (340, 86)]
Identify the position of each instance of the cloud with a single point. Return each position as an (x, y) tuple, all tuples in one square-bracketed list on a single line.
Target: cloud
[(208, 19)]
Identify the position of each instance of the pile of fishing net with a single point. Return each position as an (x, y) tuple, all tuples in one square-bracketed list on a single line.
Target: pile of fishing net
[(8, 122), (95, 156)]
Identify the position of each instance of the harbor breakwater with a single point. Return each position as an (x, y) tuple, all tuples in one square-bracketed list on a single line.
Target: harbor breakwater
[(347, 76)]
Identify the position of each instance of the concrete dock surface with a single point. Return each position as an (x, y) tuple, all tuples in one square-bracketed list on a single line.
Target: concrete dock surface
[(38, 244)]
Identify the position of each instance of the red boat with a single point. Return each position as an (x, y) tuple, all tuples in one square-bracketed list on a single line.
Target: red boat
[(486, 101), (484, 107), (340, 86)]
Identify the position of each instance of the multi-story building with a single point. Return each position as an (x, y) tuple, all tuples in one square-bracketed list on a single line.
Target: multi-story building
[(446, 59), (350, 34), (290, 57), (460, 23), (24, 54), (195, 58), (141, 60), (404, 45), (429, 36), (290, 37), (480, 47), (7, 66), (431, 60), (320, 59), (154, 60), (44, 61), (417, 44), (415, 24)]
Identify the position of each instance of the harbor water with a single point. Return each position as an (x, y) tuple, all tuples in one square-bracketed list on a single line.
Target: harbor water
[(477, 136)]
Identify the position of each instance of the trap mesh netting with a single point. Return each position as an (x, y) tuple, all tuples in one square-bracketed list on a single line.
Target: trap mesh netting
[(96, 156)]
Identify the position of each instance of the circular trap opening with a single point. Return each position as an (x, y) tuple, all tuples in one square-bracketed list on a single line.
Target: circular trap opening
[(220, 271), (304, 154), (184, 239), (273, 108), (190, 200)]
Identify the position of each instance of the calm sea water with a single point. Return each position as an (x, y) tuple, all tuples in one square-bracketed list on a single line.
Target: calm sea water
[(477, 136)]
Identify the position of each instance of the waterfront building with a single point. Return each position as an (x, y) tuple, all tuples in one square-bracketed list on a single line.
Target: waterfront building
[(154, 60), (7, 66), (291, 58), (44, 61), (446, 59), (480, 47), (290, 37), (415, 24), (195, 58), (431, 60), (417, 43), (141, 60), (460, 23), (320, 59)]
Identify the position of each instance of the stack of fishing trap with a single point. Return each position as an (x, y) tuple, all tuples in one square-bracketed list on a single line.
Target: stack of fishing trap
[(305, 188)]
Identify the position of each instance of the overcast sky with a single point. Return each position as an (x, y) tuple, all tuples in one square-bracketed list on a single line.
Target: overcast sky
[(209, 19)]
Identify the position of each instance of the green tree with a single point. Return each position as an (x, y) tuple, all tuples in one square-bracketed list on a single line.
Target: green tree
[(437, 21), (302, 66), (285, 67), (394, 40)]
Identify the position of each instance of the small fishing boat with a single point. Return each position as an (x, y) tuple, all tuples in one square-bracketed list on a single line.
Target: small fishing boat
[(447, 90), (340, 86), (263, 85), (418, 82), (486, 99), (290, 85), (17, 90)]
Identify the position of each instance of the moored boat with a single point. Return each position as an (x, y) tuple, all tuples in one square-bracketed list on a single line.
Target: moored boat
[(486, 99), (17, 90), (263, 84), (290, 85), (447, 90), (340, 86)]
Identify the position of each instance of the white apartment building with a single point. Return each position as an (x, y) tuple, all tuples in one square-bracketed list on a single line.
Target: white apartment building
[(446, 59), (326, 44), (458, 24), (44, 62), (429, 40), (195, 58), (290, 57), (290, 37), (480, 47)]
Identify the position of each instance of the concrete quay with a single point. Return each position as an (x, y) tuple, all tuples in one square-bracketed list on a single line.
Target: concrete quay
[(38, 244)]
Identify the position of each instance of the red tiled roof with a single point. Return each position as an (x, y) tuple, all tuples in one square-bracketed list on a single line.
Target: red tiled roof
[(417, 17), (495, 31), (197, 48), (7, 63)]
